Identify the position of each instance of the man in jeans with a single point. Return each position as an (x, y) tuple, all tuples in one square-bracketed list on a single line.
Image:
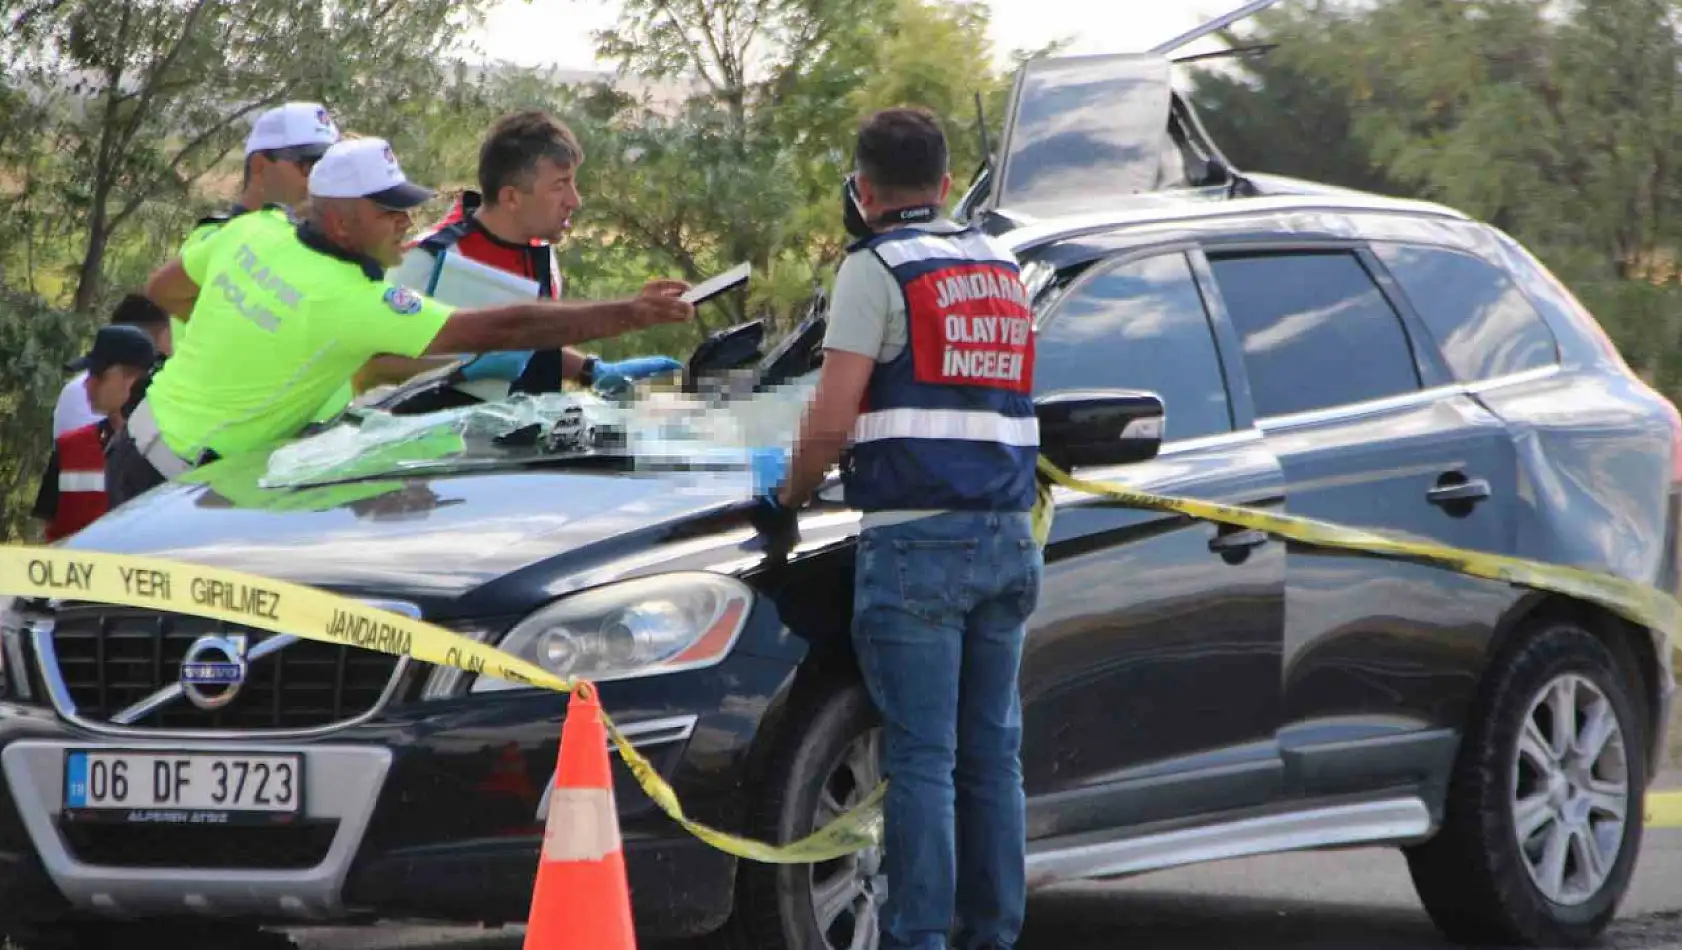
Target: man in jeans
[(928, 365)]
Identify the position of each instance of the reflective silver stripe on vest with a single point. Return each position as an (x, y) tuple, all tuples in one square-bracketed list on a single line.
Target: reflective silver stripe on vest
[(81, 481), (973, 248), (968, 425)]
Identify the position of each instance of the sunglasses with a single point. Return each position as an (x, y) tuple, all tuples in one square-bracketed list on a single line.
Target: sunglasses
[(304, 158)]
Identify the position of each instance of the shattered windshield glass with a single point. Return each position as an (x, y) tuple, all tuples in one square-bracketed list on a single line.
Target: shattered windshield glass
[(655, 429)]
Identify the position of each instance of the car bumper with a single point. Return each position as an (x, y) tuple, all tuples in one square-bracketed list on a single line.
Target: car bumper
[(434, 811)]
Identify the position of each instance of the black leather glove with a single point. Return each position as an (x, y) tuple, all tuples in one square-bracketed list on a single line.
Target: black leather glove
[(778, 525)]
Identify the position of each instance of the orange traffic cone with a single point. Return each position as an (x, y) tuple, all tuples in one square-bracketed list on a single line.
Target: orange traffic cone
[(581, 898)]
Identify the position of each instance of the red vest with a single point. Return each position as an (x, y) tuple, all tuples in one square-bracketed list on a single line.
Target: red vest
[(81, 481), (460, 233)]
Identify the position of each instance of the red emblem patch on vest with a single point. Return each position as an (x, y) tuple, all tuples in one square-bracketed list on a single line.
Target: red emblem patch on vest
[(971, 325)]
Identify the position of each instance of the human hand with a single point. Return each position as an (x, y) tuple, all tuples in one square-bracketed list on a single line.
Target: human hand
[(658, 303), (505, 366), (769, 466), (664, 287), (615, 377), (777, 525)]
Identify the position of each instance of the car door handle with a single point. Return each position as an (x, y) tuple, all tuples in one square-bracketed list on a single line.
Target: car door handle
[(1476, 489), (1237, 541)]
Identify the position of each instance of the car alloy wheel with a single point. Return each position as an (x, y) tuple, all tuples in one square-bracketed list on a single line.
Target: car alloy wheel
[(1569, 788), (847, 893), (1541, 824)]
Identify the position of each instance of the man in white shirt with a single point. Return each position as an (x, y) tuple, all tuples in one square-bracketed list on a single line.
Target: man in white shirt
[(74, 408)]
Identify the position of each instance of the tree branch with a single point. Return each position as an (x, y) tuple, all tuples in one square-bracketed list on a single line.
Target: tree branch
[(160, 69), (141, 194), (695, 57)]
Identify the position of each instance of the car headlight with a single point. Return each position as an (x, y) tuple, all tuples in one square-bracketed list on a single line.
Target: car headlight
[(642, 627)]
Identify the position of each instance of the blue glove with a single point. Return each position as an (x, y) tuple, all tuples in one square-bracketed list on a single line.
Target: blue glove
[(769, 466), (615, 377), (505, 366)]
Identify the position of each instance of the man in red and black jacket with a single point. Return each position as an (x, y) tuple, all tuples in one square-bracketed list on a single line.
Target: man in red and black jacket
[(528, 180), (72, 494)]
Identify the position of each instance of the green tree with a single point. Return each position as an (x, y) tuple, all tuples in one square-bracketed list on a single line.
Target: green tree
[(161, 91)]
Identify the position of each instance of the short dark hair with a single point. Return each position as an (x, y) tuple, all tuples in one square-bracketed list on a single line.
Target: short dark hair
[(139, 310), (901, 150), (516, 143)]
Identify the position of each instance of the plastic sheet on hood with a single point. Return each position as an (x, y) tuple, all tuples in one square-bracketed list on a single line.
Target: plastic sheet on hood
[(659, 431), (386, 444)]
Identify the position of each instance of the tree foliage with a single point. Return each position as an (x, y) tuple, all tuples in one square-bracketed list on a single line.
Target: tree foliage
[(1558, 122), (727, 131)]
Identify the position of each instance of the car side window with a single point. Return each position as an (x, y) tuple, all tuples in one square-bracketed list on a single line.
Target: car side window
[(1484, 325), (1140, 324), (1316, 330)]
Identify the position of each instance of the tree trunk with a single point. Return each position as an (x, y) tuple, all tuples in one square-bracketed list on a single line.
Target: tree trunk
[(93, 258)]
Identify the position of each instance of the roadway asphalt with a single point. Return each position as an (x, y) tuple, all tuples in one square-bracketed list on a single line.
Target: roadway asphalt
[(1335, 900)]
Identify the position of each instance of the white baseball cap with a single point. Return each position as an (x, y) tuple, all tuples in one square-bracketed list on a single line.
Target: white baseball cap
[(365, 168), (301, 126)]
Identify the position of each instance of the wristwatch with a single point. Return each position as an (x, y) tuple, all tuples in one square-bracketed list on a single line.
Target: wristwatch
[(587, 373)]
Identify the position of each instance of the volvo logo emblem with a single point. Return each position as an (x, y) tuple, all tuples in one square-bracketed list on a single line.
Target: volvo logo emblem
[(212, 671)]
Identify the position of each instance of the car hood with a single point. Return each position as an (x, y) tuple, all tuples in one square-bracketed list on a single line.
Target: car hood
[(435, 536)]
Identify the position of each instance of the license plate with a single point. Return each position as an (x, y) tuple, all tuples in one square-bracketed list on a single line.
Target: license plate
[(182, 782)]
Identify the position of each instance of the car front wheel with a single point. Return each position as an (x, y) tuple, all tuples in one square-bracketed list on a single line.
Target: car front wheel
[(1543, 819), (828, 764)]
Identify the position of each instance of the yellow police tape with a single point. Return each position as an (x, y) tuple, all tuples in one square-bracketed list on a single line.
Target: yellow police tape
[(268, 604)]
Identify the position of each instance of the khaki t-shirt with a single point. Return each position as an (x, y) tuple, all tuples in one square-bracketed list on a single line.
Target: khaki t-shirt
[(867, 316)]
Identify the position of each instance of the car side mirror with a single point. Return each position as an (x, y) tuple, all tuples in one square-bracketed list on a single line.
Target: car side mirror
[(729, 349), (1099, 427)]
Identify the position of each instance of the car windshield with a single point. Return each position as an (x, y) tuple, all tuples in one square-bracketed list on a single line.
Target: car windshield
[(656, 428)]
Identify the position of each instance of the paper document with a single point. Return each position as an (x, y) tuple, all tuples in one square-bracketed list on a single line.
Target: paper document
[(727, 281), (463, 282)]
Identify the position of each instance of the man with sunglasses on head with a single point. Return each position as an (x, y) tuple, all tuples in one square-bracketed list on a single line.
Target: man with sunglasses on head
[(283, 315)]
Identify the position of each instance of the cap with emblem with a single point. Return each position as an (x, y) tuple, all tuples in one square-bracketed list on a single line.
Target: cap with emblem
[(365, 168), (116, 345), (302, 127)]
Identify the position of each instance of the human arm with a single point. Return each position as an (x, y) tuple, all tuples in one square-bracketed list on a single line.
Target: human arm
[(826, 424), (173, 290), (557, 324), (386, 369), (46, 497), (864, 299)]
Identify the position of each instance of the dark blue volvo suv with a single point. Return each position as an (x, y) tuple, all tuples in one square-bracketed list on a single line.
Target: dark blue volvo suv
[(1191, 692)]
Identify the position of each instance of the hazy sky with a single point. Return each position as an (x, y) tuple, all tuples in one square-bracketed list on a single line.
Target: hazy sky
[(557, 32)]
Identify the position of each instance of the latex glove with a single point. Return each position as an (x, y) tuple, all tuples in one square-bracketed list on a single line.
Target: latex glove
[(616, 377), (769, 467), (505, 366)]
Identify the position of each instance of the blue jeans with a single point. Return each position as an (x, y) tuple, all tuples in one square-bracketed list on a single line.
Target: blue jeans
[(940, 611)]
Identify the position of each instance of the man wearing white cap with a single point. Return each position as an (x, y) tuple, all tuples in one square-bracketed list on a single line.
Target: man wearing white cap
[(284, 144), (284, 316)]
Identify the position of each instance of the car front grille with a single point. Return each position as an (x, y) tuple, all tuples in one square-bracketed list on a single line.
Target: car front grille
[(108, 659), (271, 847)]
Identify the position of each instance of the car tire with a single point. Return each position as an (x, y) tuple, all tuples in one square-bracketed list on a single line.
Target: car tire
[(831, 747), (1477, 882)]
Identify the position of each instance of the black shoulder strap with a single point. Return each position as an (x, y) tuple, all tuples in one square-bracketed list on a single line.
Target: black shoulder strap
[(445, 237)]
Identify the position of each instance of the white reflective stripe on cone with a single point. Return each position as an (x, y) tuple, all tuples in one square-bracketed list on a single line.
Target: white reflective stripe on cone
[(947, 424), (81, 481), (582, 825)]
